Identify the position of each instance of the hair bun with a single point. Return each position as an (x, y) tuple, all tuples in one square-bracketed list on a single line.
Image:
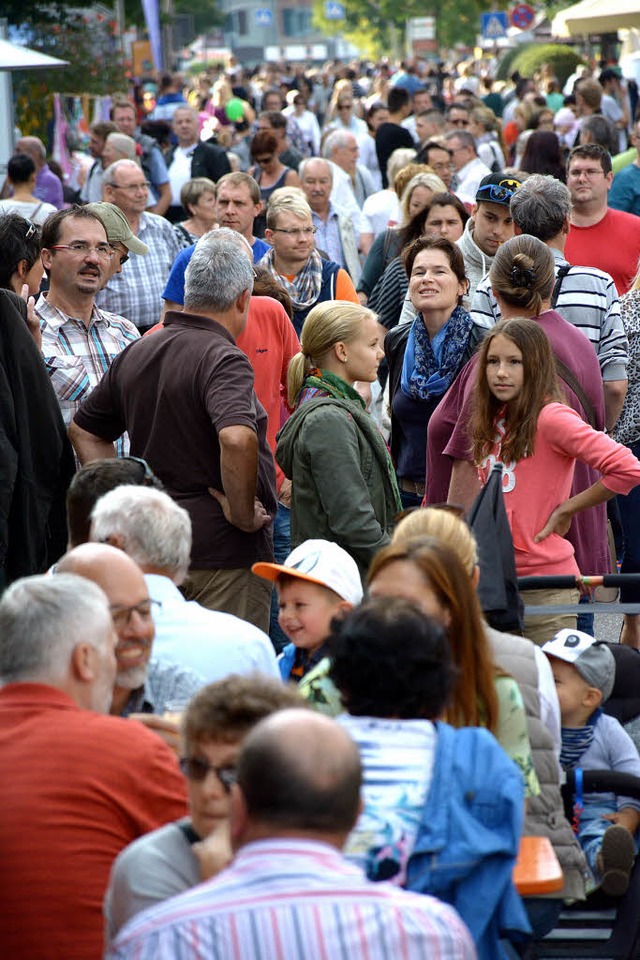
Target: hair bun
[(523, 276)]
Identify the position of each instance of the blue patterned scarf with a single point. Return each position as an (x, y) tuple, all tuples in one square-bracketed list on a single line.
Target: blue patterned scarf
[(422, 376), (577, 740)]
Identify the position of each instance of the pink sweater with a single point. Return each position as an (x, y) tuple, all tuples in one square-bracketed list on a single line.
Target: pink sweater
[(534, 486)]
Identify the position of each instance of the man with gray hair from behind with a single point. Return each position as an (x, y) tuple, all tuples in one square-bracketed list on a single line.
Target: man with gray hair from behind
[(585, 296), (72, 797), (155, 532), (186, 396)]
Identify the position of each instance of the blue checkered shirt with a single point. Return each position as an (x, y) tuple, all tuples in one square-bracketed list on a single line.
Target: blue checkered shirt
[(136, 293)]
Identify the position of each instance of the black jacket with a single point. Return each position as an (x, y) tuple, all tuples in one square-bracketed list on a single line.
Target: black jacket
[(208, 160), (36, 459)]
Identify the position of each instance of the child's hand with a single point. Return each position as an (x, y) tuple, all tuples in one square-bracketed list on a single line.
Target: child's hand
[(628, 817), (214, 853)]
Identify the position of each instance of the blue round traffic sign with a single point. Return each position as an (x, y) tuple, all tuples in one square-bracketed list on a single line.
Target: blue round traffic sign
[(522, 16)]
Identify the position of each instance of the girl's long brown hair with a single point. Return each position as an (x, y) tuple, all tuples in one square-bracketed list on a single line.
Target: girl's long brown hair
[(474, 701), (539, 388)]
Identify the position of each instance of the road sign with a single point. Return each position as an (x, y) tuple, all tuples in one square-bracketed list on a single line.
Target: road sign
[(334, 10), (494, 25), (522, 16), (264, 17)]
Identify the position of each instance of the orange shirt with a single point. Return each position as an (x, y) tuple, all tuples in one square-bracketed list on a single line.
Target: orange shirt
[(77, 788)]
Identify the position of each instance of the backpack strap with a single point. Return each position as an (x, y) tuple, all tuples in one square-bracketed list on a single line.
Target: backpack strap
[(572, 381), (562, 272)]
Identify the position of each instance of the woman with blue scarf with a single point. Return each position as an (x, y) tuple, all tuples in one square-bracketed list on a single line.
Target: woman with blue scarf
[(426, 356)]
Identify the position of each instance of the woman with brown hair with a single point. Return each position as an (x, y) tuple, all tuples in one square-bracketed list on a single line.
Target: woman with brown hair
[(425, 356), (269, 172)]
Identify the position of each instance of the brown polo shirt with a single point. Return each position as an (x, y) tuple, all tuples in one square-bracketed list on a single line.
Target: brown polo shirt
[(173, 392)]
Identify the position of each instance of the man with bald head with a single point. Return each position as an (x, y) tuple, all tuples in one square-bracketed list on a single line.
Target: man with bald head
[(289, 892), (78, 785), (48, 186), (142, 684)]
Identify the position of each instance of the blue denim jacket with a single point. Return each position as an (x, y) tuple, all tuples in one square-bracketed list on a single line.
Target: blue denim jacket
[(468, 840)]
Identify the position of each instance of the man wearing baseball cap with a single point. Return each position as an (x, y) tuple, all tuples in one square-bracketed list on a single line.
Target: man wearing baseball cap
[(318, 581), (489, 226), (119, 234), (584, 672)]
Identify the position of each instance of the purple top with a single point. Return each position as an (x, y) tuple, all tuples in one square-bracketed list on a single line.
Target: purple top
[(49, 187)]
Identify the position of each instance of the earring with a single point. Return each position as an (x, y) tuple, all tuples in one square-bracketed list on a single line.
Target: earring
[(345, 360)]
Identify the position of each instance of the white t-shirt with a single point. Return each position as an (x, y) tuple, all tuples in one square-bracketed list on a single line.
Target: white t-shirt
[(36, 212), (398, 757), (379, 211)]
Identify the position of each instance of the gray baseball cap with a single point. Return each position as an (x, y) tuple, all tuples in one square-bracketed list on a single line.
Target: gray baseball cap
[(592, 659), (118, 227)]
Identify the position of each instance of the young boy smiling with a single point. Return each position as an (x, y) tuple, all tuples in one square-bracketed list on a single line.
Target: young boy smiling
[(318, 581), (584, 673)]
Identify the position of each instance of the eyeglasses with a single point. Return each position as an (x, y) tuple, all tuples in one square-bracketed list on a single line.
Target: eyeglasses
[(132, 186), (440, 166), (149, 478), (124, 257), (590, 173), (80, 249), (31, 229), (121, 616), (493, 191), (196, 769), (296, 232)]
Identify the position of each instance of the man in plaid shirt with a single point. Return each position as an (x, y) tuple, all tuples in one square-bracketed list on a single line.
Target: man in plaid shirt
[(80, 341)]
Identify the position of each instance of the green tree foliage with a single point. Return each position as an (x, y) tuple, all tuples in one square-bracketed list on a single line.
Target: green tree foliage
[(532, 56), (90, 44), (377, 25)]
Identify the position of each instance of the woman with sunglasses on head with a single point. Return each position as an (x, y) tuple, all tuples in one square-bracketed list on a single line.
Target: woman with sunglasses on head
[(425, 356), (269, 172), (21, 268), (180, 855)]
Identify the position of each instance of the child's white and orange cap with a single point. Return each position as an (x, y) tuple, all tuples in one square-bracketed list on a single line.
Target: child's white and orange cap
[(321, 562)]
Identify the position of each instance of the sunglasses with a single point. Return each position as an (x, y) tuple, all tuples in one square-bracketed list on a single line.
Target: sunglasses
[(149, 478), (31, 229), (493, 191), (198, 770)]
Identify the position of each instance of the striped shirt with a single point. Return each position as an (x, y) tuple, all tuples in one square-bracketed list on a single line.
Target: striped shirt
[(77, 356), (285, 899), (589, 300), (136, 293), (328, 235)]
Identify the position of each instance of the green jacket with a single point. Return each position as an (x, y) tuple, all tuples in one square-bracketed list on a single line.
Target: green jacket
[(343, 486)]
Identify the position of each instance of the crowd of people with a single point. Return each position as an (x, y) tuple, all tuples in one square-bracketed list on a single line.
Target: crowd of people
[(256, 370)]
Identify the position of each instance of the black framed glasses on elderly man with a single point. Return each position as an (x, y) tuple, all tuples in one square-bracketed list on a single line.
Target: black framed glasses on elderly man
[(196, 769), (121, 616)]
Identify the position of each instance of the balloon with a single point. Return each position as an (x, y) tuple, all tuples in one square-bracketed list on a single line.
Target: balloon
[(234, 109)]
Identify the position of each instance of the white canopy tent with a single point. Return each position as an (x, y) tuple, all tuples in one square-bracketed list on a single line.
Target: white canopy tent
[(596, 16), (13, 57)]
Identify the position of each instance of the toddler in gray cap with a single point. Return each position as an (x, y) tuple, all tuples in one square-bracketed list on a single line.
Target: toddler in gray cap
[(584, 673)]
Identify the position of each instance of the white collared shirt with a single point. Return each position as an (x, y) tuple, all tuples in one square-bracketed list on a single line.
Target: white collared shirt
[(209, 642)]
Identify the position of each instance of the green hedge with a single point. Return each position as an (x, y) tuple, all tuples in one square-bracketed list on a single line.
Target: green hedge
[(505, 68), (532, 56)]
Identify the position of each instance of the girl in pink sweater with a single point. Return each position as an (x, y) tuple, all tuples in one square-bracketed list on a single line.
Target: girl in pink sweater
[(521, 420)]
